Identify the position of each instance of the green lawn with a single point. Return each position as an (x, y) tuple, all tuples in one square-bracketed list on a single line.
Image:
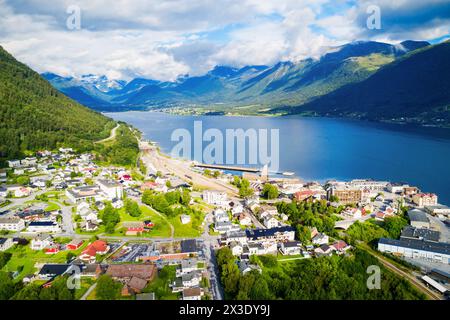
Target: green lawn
[(160, 285), (25, 258), (189, 230), (86, 283), (161, 228)]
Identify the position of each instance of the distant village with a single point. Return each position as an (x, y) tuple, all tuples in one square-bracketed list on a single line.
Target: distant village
[(52, 204)]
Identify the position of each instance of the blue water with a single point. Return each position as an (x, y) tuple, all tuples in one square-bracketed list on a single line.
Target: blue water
[(322, 148)]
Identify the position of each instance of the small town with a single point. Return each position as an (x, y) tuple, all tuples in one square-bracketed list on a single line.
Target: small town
[(174, 229)]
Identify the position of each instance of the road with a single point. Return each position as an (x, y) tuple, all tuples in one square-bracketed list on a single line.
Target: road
[(112, 136)]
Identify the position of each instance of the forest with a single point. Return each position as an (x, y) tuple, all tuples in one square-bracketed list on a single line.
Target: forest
[(324, 278), (34, 115)]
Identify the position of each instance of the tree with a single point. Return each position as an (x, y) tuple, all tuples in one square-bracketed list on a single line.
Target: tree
[(245, 190), (4, 258), (107, 288), (132, 208), (303, 234), (110, 218), (7, 287), (394, 225), (23, 180), (270, 191)]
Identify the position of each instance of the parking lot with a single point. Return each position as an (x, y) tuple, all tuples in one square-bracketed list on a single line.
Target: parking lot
[(131, 252)]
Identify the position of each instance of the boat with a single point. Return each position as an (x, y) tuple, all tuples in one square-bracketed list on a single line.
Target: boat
[(288, 173)]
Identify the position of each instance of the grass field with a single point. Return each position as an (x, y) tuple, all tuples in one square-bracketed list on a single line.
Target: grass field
[(160, 285), (189, 230), (161, 228), (26, 259)]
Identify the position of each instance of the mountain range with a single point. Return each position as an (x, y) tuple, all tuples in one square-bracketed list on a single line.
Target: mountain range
[(311, 86)]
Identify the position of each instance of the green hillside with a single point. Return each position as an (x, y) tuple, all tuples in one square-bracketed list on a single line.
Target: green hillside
[(34, 115), (414, 88)]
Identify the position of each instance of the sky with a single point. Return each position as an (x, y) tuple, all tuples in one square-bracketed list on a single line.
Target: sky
[(164, 39)]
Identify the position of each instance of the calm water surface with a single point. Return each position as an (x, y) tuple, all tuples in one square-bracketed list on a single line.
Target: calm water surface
[(322, 148)]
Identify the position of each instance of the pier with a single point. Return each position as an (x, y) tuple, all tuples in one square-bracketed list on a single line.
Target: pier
[(230, 168)]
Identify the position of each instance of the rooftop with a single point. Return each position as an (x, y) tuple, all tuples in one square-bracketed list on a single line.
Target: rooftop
[(436, 247)]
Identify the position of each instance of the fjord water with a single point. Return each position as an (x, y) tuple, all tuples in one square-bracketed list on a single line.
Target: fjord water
[(323, 148)]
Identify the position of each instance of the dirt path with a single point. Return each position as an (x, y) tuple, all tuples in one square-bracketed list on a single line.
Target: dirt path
[(112, 136)]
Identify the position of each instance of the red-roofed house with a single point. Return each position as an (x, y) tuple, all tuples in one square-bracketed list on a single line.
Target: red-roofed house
[(149, 185), (303, 195), (74, 244), (97, 247), (341, 246)]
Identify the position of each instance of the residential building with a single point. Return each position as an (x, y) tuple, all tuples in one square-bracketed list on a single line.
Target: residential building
[(417, 249), (320, 239), (245, 267), (74, 244), (133, 228), (50, 271), (185, 218), (128, 271), (98, 247), (191, 279), (397, 187), (111, 189), (418, 218), (214, 197), (5, 243), (41, 242), (43, 226), (245, 220), (438, 209), (324, 250), (236, 248), (291, 247), (425, 199), (12, 224), (340, 246), (193, 294), (187, 266), (79, 194), (346, 194), (278, 234), (270, 222)]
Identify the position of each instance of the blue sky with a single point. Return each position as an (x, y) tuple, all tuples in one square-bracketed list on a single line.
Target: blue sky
[(164, 39)]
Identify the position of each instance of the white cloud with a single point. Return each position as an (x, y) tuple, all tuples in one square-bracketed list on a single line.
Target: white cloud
[(163, 39)]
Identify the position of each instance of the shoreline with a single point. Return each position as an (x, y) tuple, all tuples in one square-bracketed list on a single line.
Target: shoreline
[(268, 115)]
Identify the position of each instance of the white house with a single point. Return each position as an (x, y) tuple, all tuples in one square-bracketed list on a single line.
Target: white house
[(320, 239), (111, 189), (5, 243), (221, 216), (244, 220), (12, 224), (43, 226), (41, 242), (236, 248), (291, 248), (191, 279), (214, 197), (270, 222), (185, 219)]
